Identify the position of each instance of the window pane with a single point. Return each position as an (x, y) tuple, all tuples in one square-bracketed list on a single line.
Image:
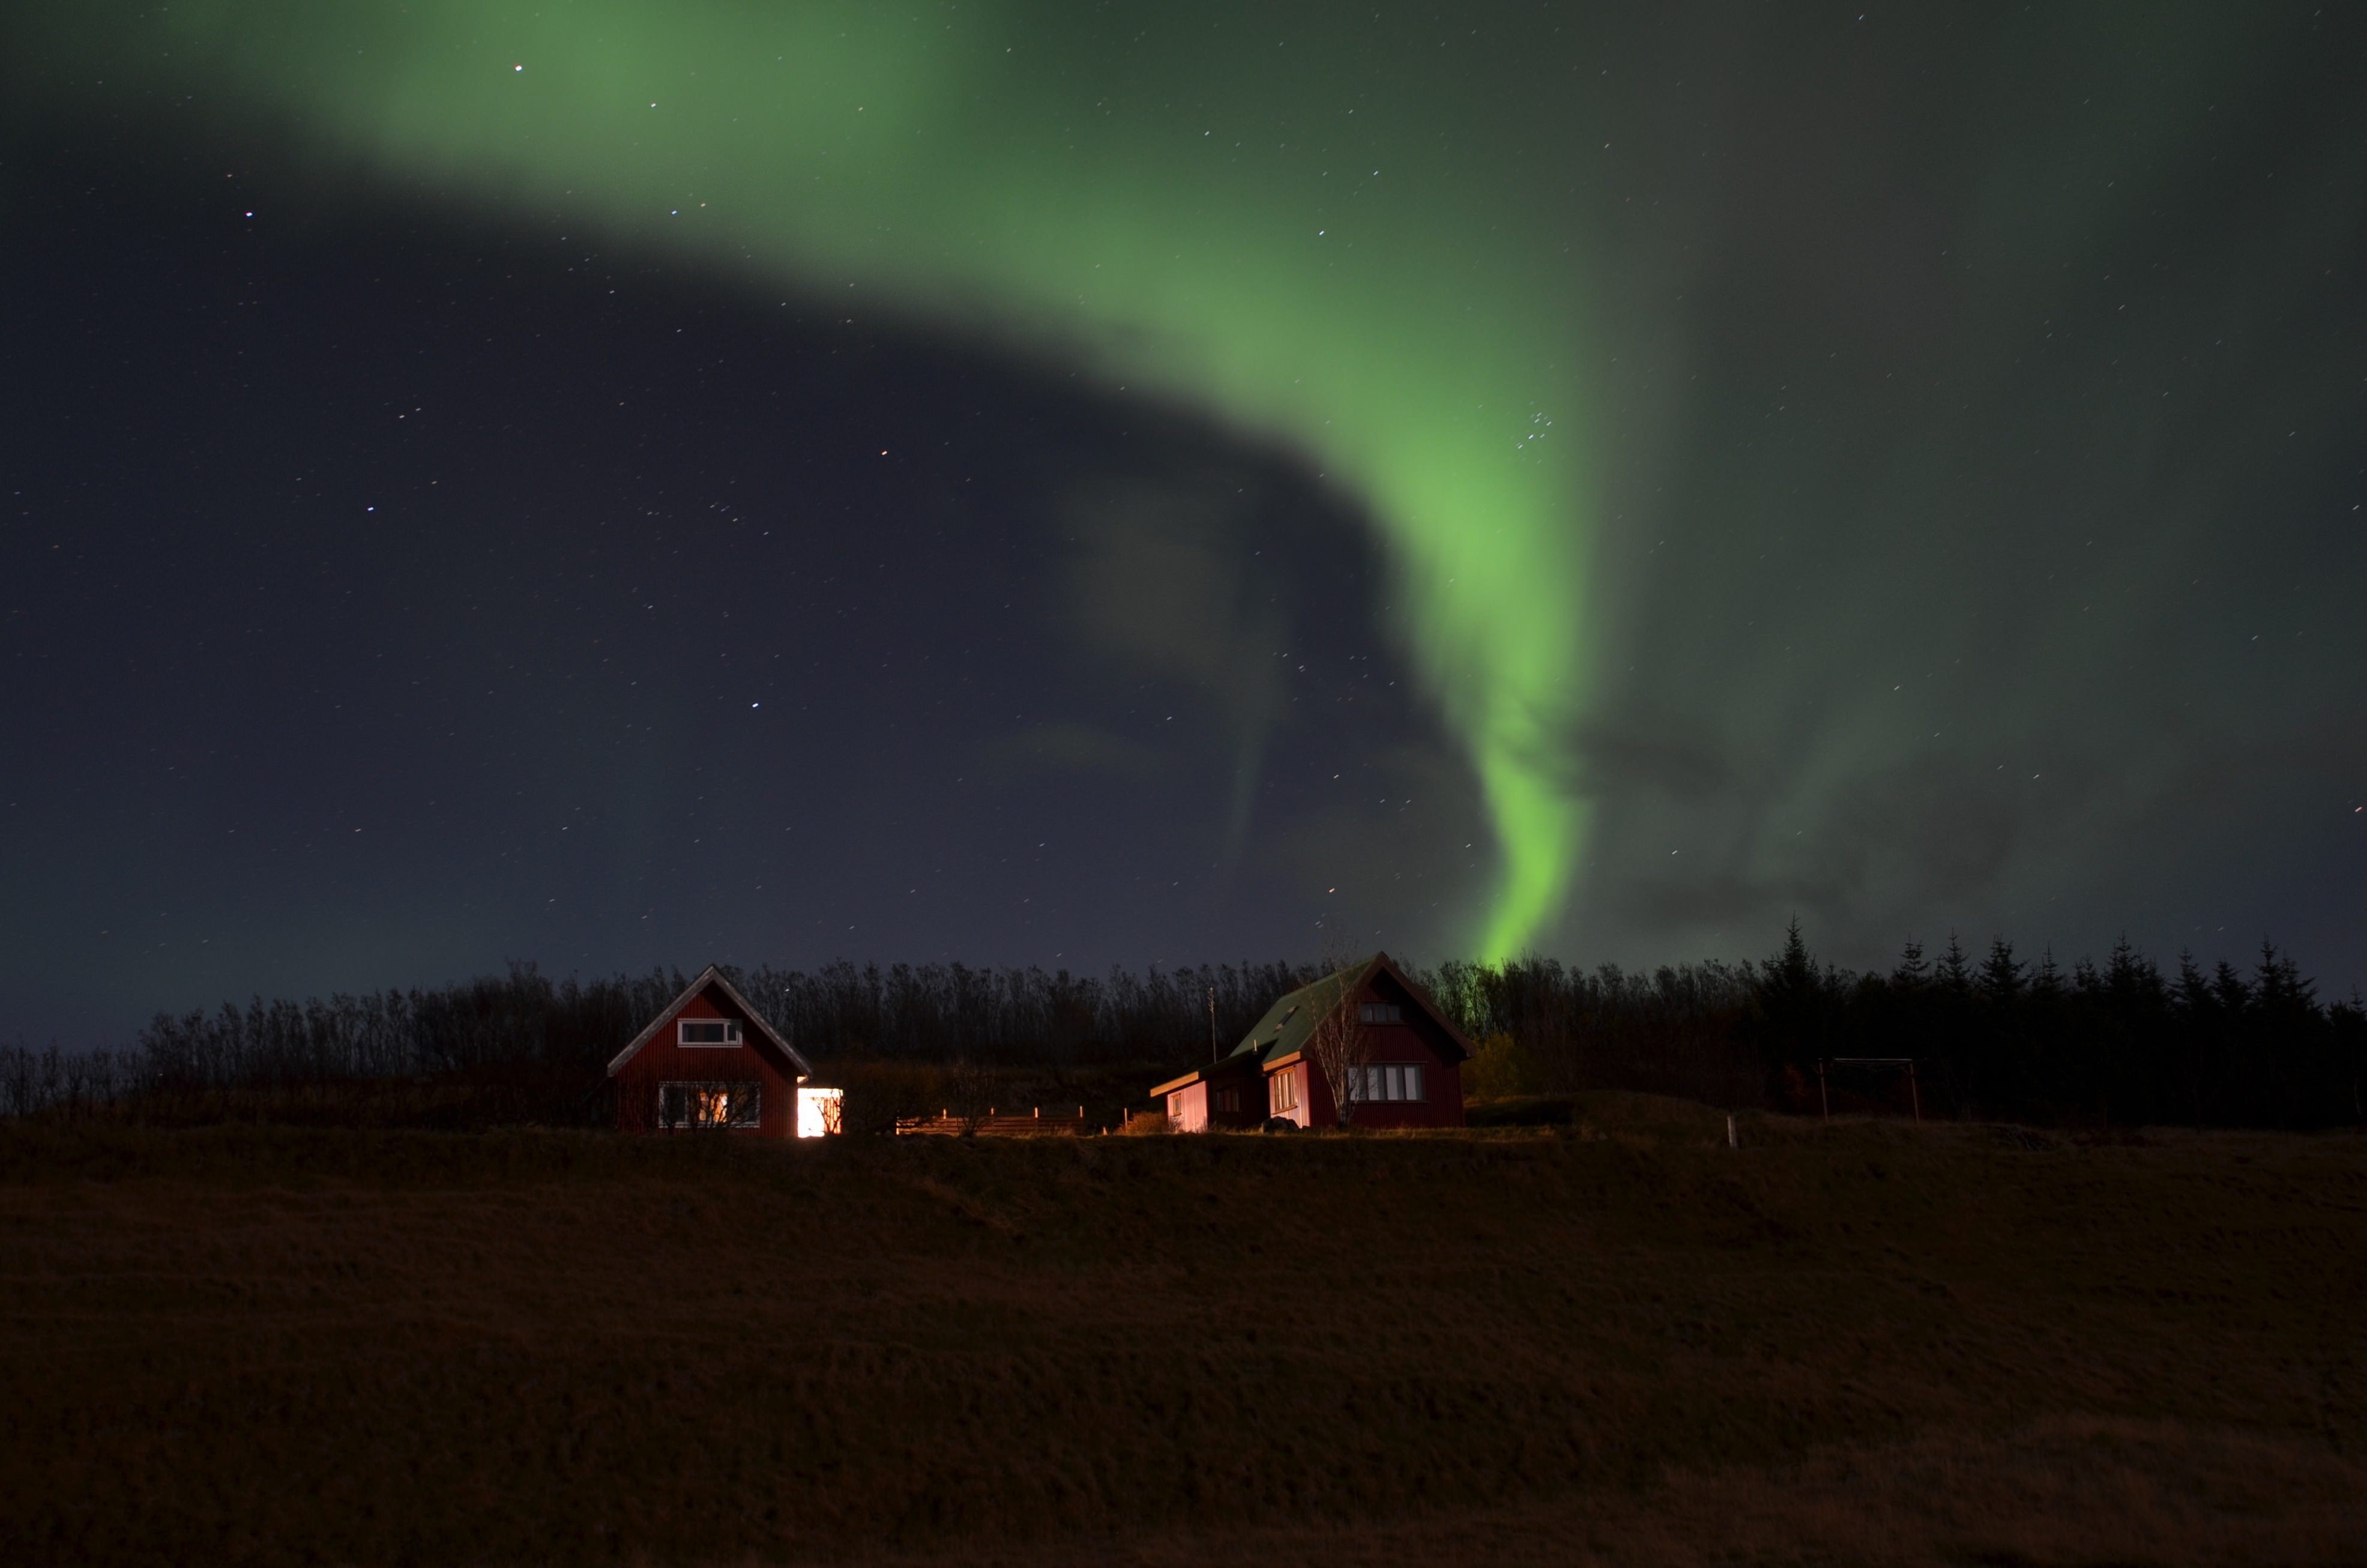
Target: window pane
[(1413, 1082)]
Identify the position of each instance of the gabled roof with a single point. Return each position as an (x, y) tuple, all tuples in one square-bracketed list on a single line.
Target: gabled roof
[(1282, 1033), (796, 1065)]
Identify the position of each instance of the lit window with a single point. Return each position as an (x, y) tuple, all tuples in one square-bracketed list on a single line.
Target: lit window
[(707, 1031), (821, 1112), (1282, 1092), (710, 1106)]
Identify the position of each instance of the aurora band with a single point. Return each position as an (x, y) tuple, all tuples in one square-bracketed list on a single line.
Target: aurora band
[(1178, 205)]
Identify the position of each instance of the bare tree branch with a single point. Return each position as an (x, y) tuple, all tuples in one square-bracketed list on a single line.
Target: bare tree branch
[(1341, 1049)]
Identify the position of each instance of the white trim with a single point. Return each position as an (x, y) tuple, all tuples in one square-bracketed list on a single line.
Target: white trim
[(681, 1027), (1371, 1086), (709, 976)]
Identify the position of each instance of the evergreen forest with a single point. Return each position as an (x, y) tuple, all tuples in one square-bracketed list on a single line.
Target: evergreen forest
[(2125, 1043)]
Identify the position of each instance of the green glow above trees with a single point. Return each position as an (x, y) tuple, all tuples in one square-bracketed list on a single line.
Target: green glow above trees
[(1190, 205)]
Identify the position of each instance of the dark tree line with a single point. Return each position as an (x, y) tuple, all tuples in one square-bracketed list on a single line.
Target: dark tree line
[(536, 1048), (1999, 1037), (1684, 1029), (907, 1012)]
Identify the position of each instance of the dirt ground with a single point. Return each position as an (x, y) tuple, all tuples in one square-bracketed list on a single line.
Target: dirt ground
[(1616, 1342)]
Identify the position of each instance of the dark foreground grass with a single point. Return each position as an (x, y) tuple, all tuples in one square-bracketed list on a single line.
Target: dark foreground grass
[(1615, 1341)]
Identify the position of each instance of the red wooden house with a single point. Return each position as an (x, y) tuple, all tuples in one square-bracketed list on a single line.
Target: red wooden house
[(1398, 1058), (710, 1062)]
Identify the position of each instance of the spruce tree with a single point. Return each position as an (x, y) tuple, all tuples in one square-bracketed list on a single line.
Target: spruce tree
[(2001, 974), (1955, 975), (1913, 972)]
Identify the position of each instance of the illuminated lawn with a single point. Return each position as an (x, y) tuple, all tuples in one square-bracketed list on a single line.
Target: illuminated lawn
[(1620, 1342)]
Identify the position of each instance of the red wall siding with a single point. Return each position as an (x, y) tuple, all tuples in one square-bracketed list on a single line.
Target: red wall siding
[(663, 1060), (1248, 1087), (1441, 1101)]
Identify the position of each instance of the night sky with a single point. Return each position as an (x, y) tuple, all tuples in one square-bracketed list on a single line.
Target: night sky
[(618, 483)]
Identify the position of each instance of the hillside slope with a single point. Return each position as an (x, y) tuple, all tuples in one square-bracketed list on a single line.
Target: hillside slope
[(1617, 1342)]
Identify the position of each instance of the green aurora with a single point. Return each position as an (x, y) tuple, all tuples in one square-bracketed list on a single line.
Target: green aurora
[(1183, 203)]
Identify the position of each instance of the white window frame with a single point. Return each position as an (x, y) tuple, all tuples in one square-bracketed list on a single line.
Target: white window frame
[(1282, 1091), (731, 1040), (1371, 1086), (750, 1090)]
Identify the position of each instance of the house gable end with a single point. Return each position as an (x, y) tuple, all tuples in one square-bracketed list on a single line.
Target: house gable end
[(1292, 1020), (762, 1035), (1438, 1031), (1281, 1040)]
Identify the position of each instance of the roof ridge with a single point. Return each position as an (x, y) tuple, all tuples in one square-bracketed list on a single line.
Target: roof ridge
[(713, 975)]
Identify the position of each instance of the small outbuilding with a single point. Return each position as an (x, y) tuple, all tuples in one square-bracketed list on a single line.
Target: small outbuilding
[(1369, 1033), (711, 1062)]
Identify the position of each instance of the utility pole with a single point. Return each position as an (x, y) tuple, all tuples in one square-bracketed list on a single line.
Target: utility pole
[(1212, 1023)]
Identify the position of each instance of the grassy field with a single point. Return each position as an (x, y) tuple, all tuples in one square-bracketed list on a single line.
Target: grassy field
[(1616, 1341)]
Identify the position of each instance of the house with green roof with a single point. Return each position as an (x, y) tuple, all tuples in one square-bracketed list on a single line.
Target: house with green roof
[(1367, 1040)]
